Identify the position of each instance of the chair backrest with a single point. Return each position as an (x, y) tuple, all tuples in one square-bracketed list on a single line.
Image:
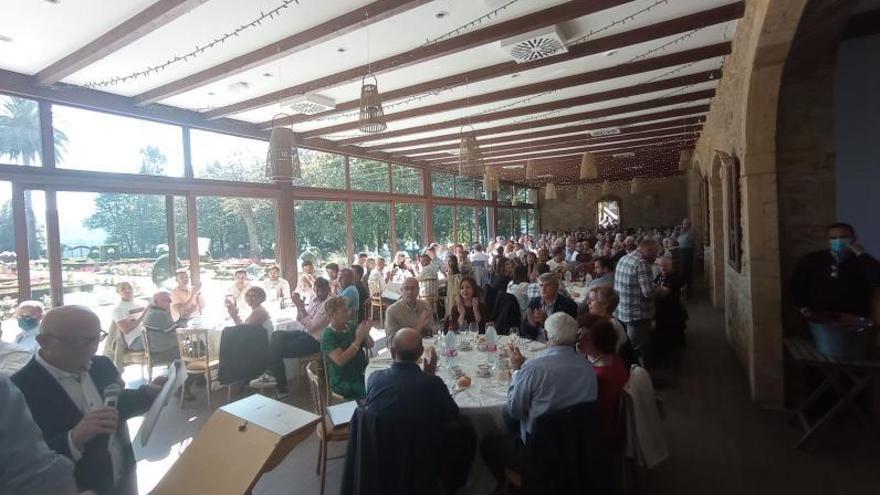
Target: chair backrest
[(146, 339), (193, 345), (566, 453), (375, 288), (318, 386), (244, 353)]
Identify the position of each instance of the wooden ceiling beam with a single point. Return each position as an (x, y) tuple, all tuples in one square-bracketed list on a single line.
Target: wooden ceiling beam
[(576, 153), (622, 70), (313, 36), (144, 22), (565, 104), (553, 133), (687, 111), (565, 140), (663, 29), (424, 53)]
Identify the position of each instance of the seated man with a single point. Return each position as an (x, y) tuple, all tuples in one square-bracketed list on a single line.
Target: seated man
[(128, 317), (239, 288), (332, 270), (549, 302), (277, 289), (28, 314), (64, 388), (409, 311), (363, 291), (306, 286), (296, 343), (186, 302), (162, 328), (555, 380), (405, 391)]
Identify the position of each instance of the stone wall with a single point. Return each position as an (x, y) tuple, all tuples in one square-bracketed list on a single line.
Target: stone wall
[(661, 202)]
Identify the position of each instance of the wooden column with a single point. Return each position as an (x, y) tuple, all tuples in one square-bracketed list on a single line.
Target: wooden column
[(187, 154), (285, 233), (192, 230), (53, 244), (170, 233), (47, 135), (19, 226), (393, 231), (349, 234), (428, 217)]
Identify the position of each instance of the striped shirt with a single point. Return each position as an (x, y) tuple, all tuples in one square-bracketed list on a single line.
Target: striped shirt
[(634, 283)]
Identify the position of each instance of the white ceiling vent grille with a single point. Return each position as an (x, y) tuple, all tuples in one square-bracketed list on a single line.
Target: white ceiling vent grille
[(610, 131), (311, 104), (534, 45)]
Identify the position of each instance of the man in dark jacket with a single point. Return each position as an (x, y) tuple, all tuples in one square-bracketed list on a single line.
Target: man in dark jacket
[(406, 391), (64, 388), (839, 279), (550, 301)]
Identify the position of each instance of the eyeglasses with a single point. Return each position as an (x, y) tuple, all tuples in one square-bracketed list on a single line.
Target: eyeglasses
[(82, 342)]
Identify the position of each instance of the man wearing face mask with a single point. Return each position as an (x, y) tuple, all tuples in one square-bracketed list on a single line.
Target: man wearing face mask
[(839, 279), (29, 314)]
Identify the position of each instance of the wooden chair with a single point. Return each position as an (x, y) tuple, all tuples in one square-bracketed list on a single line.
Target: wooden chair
[(195, 353), (116, 349), (428, 292), (377, 304), (326, 432)]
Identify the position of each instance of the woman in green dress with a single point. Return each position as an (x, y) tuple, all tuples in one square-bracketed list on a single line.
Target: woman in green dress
[(342, 344)]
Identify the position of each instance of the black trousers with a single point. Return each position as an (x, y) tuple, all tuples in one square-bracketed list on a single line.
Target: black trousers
[(286, 344), (502, 451), (457, 453)]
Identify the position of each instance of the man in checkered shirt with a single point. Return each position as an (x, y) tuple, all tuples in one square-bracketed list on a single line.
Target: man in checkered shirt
[(633, 281)]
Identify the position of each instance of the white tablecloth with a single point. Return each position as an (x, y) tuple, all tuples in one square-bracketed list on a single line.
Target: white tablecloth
[(577, 291)]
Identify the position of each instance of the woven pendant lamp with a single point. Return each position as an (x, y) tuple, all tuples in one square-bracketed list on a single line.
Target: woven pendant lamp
[(282, 159), (531, 173), (684, 160), (588, 166), (550, 191), (372, 117), (635, 185), (606, 186), (470, 158)]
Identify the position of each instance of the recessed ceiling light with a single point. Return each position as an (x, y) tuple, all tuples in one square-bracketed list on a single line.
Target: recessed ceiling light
[(341, 49), (610, 53), (267, 74), (5, 39), (441, 14), (514, 76), (211, 93), (238, 87), (53, 1)]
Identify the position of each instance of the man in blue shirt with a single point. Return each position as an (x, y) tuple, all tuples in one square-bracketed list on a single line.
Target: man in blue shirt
[(349, 291), (557, 379)]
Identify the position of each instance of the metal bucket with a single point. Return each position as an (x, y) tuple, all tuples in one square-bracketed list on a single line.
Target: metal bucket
[(842, 335)]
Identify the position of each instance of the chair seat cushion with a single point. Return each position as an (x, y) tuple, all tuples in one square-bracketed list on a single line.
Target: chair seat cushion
[(201, 365)]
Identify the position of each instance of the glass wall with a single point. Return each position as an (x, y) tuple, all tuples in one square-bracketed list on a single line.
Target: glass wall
[(100, 142), (443, 224), (407, 180), (464, 187), (320, 232), (371, 228), (320, 169), (8, 269), (368, 175), (223, 157), (20, 141), (409, 227), (442, 185)]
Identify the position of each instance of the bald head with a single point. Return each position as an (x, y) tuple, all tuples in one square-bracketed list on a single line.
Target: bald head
[(406, 345), (69, 337), (162, 299)]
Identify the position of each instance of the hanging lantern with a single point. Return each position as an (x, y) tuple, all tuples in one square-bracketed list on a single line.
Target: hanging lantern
[(684, 160), (282, 160), (531, 173), (470, 158), (533, 196), (606, 186), (550, 191), (372, 117), (588, 166), (635, 185)]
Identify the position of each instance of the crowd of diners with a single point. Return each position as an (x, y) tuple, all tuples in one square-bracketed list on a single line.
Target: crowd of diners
[(632, 279)]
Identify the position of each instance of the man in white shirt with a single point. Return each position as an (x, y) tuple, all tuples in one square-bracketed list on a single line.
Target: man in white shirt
[(239, 288), (13, 357), (277, 289), (376, 278), (29, 314)]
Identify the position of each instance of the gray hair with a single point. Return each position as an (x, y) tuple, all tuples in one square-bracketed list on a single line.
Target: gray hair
[(548, 277), (31, 304), (561, 329)]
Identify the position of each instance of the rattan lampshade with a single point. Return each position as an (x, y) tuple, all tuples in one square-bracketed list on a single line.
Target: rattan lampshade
[(588, 166), (282, 160), (550, 191), (372, 117), (531, 173), (470, 159)]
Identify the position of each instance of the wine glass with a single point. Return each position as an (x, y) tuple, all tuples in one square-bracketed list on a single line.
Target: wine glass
[(473, 329), (514, 335)]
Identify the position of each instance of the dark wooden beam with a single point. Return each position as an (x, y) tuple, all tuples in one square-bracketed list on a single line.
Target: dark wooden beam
[(552, 121), (584, 137), (564, 104), (529, 136), (144, 22), (424, 53), (313, 36), (622, 70), (615, 41)]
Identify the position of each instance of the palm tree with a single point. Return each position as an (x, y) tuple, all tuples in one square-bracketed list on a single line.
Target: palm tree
[(20, 140)]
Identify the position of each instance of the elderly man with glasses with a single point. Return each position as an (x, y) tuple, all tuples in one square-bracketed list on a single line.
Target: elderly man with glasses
[(64, 386), (550, 301)]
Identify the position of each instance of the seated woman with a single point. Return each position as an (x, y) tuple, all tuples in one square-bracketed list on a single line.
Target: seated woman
[(254, 297), (469, 307), (519, 287), (400, 270), (596, 341), (342, 344), (453, 282), (602, 301)]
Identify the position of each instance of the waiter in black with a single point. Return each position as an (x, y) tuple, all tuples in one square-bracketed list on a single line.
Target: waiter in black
[(838, 279)]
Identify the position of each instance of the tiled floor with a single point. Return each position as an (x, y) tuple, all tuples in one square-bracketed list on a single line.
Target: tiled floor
[(721, 444)]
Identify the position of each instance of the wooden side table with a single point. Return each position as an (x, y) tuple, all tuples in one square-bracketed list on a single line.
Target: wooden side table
[(848, 378)]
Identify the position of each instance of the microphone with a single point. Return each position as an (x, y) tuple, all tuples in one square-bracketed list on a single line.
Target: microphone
[(111, 395)]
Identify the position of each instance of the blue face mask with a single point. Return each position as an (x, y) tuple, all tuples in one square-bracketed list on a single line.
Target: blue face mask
[(27, 323), (839, 245)]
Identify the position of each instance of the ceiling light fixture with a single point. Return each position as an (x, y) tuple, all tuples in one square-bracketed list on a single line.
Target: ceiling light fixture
[(5, 39), (267, 74), (341, 49), (610, 53), (282, 160), (440, 15)]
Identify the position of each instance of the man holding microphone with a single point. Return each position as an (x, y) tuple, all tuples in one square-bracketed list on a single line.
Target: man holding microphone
[(77, 400)]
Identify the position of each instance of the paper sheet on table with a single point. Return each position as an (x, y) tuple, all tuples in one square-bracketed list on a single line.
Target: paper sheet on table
[(176, 376)]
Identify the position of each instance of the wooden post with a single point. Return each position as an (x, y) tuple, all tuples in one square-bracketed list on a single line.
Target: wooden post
[(192, 229), (19, 224), (428, 217), (349, 234), (53, 243), (285, 234), (170, 233), (47, 136), (187, 153), (393, 230)]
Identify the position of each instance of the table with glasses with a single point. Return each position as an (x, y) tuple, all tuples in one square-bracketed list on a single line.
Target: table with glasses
[(577, 290), (282, 319)]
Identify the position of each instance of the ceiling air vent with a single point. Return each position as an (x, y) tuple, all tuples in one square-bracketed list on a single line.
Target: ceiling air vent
[(629, 154), (610, 131), (310, 104), (534, 45)]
